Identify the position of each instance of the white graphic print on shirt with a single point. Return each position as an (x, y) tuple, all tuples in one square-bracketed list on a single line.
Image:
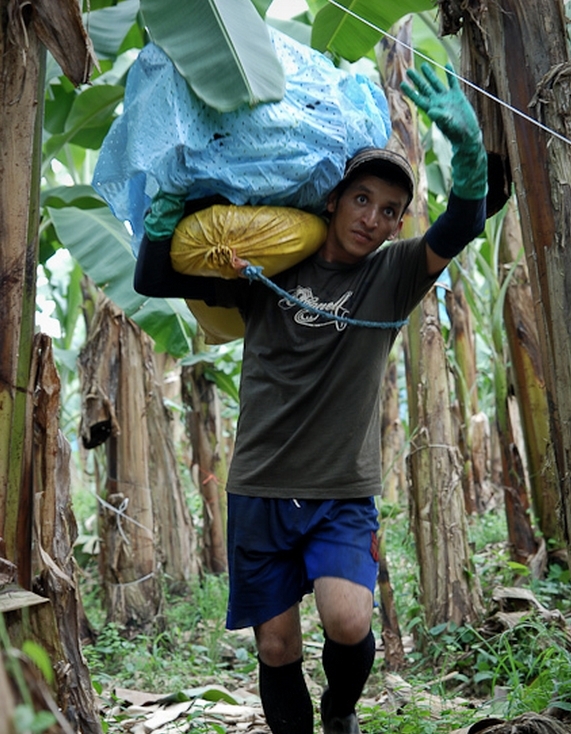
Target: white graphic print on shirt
[(308, 317)]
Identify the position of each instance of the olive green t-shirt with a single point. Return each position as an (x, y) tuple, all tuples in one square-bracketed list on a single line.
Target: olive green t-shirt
[(309, 424)]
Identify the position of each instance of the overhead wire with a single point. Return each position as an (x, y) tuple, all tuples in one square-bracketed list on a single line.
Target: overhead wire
[(468, 83)]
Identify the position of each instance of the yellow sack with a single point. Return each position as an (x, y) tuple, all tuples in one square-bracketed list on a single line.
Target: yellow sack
[(220, 325), (274, 238)]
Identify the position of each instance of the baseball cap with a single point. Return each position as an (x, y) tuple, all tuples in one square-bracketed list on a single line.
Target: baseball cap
[(380, 161)]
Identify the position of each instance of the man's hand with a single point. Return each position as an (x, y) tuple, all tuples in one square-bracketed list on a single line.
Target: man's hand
[(447, 107), (165, 213), (450, 110)]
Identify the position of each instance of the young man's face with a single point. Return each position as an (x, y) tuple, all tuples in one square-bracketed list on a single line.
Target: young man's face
[(366, 214)]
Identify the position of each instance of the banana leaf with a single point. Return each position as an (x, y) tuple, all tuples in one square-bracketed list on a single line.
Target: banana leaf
[(90, 116), (109, 26), (101, 245), (221, 47), (341, 33)]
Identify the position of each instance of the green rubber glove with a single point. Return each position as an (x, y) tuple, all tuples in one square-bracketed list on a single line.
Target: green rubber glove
[(450, 110), (165, 213)]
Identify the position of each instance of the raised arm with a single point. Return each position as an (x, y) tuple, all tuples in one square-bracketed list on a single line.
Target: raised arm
[(465, 216)]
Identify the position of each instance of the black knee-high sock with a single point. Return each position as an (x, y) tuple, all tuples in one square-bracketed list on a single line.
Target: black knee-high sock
[(285, 699), (347, 668)]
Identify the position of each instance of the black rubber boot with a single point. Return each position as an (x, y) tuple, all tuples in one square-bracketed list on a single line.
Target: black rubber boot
[(338, 724)]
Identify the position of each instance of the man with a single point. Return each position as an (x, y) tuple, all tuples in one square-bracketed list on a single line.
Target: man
[(305, 472)]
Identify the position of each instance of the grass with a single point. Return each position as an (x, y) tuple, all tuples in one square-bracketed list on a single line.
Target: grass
[(455, 675), (192, 648)]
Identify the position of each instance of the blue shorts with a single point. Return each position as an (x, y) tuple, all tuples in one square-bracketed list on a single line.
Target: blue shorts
[(278, 547)]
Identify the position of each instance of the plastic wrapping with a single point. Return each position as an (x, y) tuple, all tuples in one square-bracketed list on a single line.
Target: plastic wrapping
[(286, 153)]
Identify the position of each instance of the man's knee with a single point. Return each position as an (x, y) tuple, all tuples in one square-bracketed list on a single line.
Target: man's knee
[(346, 609), (348, 629), (275, 651), (279, 639)]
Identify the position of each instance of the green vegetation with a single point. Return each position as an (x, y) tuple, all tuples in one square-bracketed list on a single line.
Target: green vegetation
[(454, 675), (27, 719), (189, 648)]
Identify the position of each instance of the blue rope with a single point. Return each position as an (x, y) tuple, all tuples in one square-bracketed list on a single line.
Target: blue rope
[(254, 272)]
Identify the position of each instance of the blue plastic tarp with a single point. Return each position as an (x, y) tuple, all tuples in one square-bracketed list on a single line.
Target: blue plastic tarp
[(286, 153)]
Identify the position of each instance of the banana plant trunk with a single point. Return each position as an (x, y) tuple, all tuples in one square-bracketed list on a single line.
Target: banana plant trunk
[(522, 543), (55, 572), (114, 365), (203, 423), (20, 150), (542, 175), (520, 51), (439, 523), (392, 433), (26, 29), (177, 543), (394, 658), (463, 344), (148, 529), (529, 382)]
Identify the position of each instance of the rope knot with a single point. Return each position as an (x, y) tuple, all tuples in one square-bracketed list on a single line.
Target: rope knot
[(252, 272), (219, 256)]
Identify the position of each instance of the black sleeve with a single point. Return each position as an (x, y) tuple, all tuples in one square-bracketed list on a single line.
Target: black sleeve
[(156, 277), (463, 220)]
